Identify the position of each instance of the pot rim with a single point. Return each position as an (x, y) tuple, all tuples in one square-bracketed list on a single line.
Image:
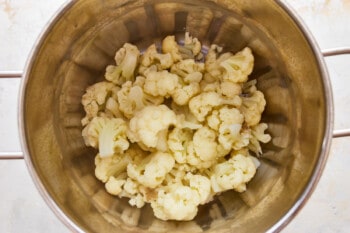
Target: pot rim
[(282, 222)]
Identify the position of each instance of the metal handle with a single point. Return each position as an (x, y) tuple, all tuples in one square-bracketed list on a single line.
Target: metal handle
[(336, 52), (11, 154)]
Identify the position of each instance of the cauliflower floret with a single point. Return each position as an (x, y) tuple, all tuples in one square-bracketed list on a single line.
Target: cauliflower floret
[(106, 134), (152, 170), (202, 104), (190, 75), (160, 83), (152, 57), (95, 98), (230, 89), (213, 61), (205, 145), (258, 135), (126, 59), (228, 123), (147, 124), (132, 98), (239, 66), (190, 49), (233, 173), (193, 44), (176, 202), (252, 108), (202, 185), (169, 45), (114, 185), (178, 141), (106, 167)]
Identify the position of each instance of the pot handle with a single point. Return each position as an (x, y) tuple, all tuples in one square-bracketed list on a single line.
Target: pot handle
[(11, 154), (334, 52)]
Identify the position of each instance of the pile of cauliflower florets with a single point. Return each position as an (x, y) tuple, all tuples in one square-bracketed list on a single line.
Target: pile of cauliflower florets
[(173, 130)]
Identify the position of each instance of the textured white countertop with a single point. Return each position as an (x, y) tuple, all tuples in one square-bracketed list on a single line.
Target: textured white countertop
[(23, 210)]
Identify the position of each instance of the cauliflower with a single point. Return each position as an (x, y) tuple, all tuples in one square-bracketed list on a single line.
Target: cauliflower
[(148, 123), (213, 61), (202, 104), (126, 59), (190, 75), (233, 173), (170, 46), (152, 57), (115, 185), (180, 202), (132, 98), (205, 145), (192, 44), (106, 167), (178, 141), (95, 98), (176, 202), (160, 83), (228, 123), (152, 170), (252, 108), (239, 66), (191, 48), (201, 184), (172, 131), (230, 89), (258, 135), (106, 134)]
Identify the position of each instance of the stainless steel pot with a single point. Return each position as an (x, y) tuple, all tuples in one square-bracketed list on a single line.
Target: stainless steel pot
[(81, 40)]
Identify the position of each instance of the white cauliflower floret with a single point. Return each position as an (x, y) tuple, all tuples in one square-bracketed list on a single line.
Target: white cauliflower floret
[(110, 166), (106, 134), (258, 135), (160, 83), (193, 44), (230, 89), (202, 185), (252, 108), (114, 185), (239, 66), (190, 49), (95, 98), (176, 202), (152, 170), (126, 59), (190, 75), (148, 124), (205, 145), (202, 104), (152, 57), (169, 45), (233, 173), (228, 123), (213, 61), (178, 140), (132, 98)]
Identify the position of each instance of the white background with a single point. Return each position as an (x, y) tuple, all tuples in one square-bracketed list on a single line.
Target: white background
[(23, 210)]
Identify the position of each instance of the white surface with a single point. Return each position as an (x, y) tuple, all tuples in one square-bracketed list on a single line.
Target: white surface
[(23, 210)]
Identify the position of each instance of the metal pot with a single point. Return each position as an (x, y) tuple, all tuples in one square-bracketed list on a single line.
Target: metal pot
[(81, 40)]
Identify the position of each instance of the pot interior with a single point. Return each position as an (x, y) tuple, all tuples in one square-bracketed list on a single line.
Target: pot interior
[(82, 41)]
